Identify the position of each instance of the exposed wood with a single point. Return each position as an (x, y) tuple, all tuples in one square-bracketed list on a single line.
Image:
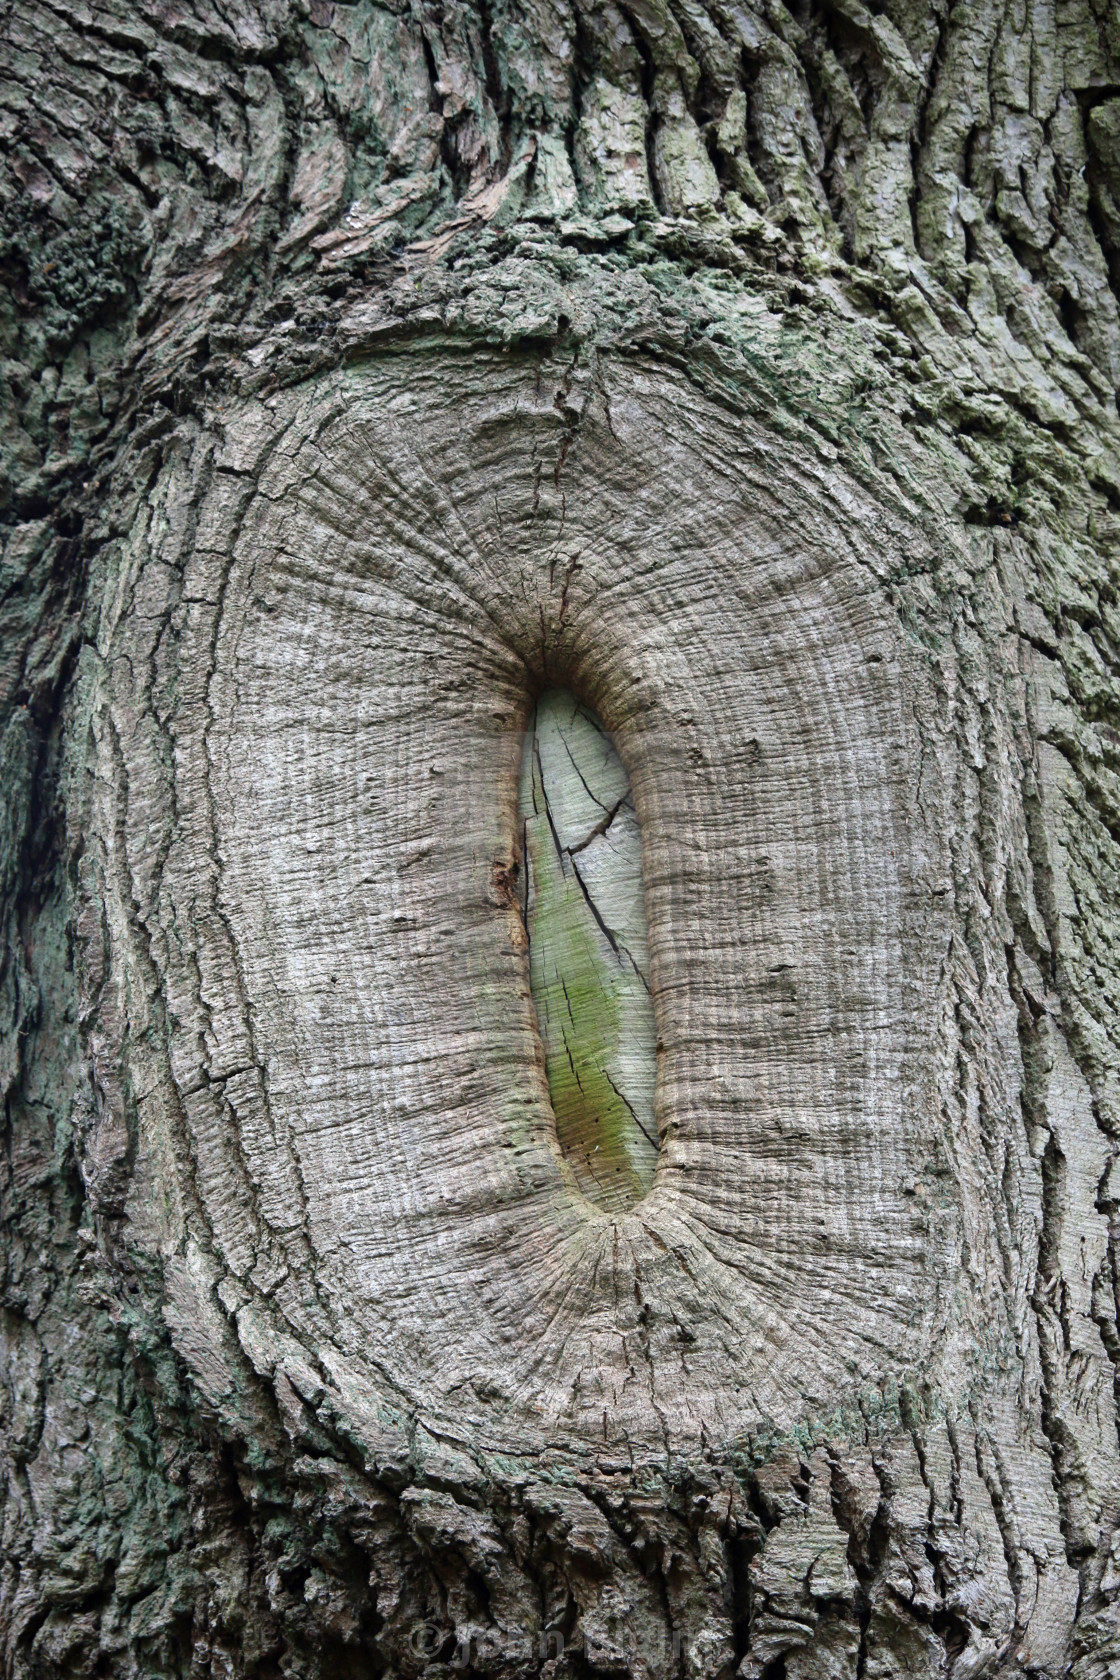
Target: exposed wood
[(583, 905)]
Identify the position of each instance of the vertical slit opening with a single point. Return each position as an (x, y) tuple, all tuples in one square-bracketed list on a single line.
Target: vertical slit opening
[(583, 903)]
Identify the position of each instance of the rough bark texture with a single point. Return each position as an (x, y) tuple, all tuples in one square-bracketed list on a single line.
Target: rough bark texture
[(750, 371)]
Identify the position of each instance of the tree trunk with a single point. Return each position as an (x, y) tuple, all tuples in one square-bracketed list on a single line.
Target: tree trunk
[(740, 375)]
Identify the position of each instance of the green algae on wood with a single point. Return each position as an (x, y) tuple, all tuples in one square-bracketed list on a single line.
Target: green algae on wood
[(584, 908)]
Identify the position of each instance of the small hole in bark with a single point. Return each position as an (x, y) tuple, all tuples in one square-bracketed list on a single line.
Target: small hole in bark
[(583, 902)]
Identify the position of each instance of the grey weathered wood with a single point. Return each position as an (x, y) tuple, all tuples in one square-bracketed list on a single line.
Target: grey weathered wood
[(749, 372)]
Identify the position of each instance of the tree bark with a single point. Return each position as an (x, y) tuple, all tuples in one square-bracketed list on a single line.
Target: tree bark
[(747, 371)]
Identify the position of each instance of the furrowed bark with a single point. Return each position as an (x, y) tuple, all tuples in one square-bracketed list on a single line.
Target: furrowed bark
[(748, 372)]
